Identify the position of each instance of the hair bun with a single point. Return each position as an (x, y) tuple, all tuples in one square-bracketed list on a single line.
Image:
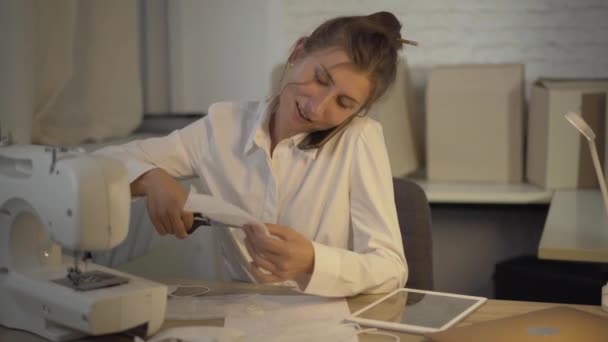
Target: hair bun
[(388, 22)]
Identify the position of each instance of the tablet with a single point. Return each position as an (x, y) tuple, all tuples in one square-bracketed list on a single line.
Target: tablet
[(417, 311)]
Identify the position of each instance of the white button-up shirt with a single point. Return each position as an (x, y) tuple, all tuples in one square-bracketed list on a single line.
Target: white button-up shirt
[(339, 196)]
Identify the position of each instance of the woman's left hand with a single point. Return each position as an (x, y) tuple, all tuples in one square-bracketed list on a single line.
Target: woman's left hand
[(286, 255)]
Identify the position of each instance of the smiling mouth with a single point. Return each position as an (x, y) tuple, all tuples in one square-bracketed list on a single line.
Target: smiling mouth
[(301, 114)]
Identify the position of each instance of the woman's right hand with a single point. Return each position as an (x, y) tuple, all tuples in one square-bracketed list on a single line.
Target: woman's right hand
[(165, 202)]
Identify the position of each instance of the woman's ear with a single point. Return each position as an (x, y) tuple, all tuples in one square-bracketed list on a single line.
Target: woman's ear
[(297, 52)]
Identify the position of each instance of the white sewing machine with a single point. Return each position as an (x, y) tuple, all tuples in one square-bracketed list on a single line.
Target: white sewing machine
[(57, 196)]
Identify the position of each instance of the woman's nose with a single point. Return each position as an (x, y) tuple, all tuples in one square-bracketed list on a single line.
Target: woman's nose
[(318, 102)]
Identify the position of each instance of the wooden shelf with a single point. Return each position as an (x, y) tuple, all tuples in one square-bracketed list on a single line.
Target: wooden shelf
[(484, 193), (576, 228)]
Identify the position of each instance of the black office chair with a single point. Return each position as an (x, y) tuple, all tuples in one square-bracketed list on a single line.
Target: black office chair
[(414, 216)]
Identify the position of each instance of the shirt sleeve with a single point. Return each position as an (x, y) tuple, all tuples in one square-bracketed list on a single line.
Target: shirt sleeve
[(177, 153), (377, 262)]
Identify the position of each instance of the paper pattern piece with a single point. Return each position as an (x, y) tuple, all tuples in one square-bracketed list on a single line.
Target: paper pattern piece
[(293, 318), (232, 218), (221, 211), (207, 307), (197, 334)]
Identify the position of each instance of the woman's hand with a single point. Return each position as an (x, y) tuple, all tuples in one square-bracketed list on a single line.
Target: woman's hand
[(165, 202), (286, 255)]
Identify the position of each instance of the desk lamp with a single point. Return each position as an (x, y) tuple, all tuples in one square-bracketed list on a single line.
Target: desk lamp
[(579, 123)]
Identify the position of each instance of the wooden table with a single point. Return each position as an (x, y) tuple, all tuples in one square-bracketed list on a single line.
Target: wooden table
[(492, 309)]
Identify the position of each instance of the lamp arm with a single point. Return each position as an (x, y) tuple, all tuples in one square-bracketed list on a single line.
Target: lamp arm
[(599, 173)]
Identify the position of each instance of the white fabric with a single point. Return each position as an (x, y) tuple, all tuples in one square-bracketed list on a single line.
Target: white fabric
[(339, 196)]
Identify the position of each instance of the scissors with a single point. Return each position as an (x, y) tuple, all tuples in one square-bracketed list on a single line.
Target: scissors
[(202, 220), (199, 220)]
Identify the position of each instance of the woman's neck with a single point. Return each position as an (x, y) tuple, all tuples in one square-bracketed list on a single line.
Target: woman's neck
[(278, 130)]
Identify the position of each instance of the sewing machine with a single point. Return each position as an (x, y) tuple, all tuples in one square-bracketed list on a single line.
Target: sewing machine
[(58, 197)]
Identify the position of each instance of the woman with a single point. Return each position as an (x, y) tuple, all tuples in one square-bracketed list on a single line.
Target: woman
[(307, 161)]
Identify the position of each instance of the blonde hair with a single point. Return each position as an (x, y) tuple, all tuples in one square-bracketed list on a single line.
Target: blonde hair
[(372, 42)]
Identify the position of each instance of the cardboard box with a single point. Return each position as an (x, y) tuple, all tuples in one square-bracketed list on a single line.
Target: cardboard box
[(475, 123), (558, 156), (394, 112)]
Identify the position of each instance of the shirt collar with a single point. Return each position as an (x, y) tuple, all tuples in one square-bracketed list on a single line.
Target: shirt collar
[(259, 133), (258, 128)]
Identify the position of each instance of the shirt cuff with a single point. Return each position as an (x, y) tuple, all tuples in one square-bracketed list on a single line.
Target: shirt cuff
[(325, 273)]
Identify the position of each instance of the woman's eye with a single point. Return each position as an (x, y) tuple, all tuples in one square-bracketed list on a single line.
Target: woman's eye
[(344, 103)]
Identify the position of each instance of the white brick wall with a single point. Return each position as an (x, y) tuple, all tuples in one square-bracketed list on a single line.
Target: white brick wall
[(554, 38)]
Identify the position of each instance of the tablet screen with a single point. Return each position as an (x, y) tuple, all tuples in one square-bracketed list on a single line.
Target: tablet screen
[(417, 308)]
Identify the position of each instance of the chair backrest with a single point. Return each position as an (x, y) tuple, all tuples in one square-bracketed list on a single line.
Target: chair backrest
[(414, 216)]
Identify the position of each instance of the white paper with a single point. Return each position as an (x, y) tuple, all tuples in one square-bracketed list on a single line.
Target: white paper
[(221, 211), (207, 307), (293, 318), (270, 318), (197, 334), (232, 217)]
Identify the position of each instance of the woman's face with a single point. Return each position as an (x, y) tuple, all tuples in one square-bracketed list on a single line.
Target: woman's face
[(321, 90)]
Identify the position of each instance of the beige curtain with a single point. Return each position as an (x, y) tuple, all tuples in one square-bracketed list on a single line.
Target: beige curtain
[(16, 74), (87, 78)]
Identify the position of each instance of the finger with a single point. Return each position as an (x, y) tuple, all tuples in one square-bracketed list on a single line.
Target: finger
[(248, 231), (252, 229), (276, 264), (259, 259), (279, 261), (156, 222), (255, 249), (258, 229), (178, 226), (269, 245), (158, 226), (280, 232), (187, 219), (252, 269), (250, 248), (165, 219), (249, 236), (262, 277)]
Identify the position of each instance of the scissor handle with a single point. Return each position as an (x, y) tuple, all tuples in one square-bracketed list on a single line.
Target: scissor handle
[(199, 220)]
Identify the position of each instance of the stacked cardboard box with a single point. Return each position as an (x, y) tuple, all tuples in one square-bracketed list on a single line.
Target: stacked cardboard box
[(558, 156), (475, 123), (394, 111)]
